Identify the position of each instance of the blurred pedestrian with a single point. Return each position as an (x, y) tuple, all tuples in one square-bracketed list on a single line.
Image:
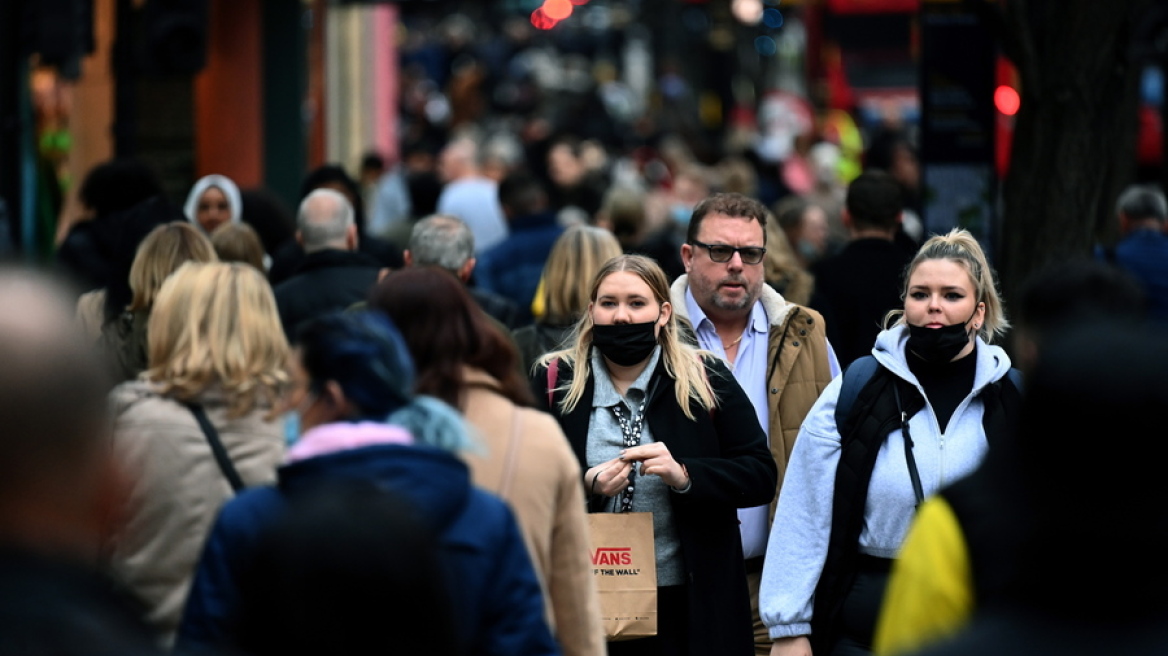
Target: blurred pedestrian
[(333, 274), (1143, 251), (289, 257), (161, 253), (59, 485), (213, 201), (197, 427), (1081, 565), (846, 504), (647, 413), (512, 267), (360, 420), (470, 195), (444, 241), (103, 306), (469, 363), (857, 287), (576, 257), (782, 270), (90, 245), (238, 242), (349, 569)]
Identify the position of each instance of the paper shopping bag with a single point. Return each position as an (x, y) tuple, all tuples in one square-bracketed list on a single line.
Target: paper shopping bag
[(624, 563)]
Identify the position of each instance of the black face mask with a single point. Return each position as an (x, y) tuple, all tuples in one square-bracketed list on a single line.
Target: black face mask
[(625, 344), (938, 345)]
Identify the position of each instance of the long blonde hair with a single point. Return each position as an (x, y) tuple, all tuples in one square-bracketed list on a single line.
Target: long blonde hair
[(961, 247), (682, 362), (163, 251), (216, 325), (571, 266)]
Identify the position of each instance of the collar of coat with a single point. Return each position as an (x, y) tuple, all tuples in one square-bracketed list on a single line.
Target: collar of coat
[(777, 308)]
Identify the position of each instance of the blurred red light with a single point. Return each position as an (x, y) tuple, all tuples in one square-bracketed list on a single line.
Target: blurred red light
[(557, 10), (1007, 101), (542, 21)]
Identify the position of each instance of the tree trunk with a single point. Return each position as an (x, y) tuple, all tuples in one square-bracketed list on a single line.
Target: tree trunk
[(1074, 140)]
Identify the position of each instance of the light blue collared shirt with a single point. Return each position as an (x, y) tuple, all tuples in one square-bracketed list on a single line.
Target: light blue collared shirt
[(749, 370)]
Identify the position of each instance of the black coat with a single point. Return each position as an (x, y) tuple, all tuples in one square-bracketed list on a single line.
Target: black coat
[(726, 454), (51, 606), (326, 281), (855, 289)]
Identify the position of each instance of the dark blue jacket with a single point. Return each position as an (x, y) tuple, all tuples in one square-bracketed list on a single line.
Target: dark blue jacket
[(512, 268), (495, 592)]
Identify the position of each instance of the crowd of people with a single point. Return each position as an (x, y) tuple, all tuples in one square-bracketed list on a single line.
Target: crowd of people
[(332, 432)]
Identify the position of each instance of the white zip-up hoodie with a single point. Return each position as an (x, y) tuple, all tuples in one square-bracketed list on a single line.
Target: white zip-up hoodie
[(799, 536)]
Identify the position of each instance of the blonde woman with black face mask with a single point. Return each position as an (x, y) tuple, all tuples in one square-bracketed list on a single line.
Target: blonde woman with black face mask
[(898, 425), (660, 427)]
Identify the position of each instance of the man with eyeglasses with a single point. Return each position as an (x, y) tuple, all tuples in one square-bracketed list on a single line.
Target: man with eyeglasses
[(778, 350)]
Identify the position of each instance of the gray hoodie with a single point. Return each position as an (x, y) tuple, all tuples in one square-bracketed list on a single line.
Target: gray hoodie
[(799, 536)]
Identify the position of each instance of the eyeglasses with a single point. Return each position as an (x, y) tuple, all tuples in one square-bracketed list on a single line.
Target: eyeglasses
[(749, 254)]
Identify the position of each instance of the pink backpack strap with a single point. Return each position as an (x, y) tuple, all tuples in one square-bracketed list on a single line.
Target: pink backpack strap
[(553, 374)]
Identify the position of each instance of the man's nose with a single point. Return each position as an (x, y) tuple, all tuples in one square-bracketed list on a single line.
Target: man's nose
[(735, 263)]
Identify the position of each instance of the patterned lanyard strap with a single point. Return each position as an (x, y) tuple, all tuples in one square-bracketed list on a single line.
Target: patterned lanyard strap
[(631, 431)]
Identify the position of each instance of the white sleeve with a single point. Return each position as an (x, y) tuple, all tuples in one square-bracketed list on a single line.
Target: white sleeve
[(801, 530)]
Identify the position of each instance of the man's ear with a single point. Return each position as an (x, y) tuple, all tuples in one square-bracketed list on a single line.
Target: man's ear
[(300, 238), (351, 238), (687, 253), (408, 257), (466, 269), (846, 219)]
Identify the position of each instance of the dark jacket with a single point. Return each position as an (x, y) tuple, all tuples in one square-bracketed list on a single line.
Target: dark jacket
[(537, 339), (512, 268), (726, 455), (855, 289), (48, 606), (326, 281), (496, 595), (500, 309), (289, 257)]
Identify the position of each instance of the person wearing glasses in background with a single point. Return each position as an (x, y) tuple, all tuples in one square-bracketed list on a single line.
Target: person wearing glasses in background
[(778, 351)]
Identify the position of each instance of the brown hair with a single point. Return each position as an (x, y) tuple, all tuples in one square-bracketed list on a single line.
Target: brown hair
[(445, 329), (732, 205), (239, 242)]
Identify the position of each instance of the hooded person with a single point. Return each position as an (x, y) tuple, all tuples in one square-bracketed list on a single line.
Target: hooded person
[(353, 382), (213, 201)]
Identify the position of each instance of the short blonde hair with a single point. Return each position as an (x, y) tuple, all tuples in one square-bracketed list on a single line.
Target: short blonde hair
[(961, 247), (160, 254), (238, 242), (216, 325), (682, 362), (571, 267)]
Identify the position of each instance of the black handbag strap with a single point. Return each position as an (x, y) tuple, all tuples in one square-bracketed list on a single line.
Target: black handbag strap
[(221, 457), (915, 475)]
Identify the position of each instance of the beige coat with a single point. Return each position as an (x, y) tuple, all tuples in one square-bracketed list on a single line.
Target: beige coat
[(178, 489), (545, 491)]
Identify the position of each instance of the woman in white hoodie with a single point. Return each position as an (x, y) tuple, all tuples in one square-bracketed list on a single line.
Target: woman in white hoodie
[(916, 415), (213, 201)]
